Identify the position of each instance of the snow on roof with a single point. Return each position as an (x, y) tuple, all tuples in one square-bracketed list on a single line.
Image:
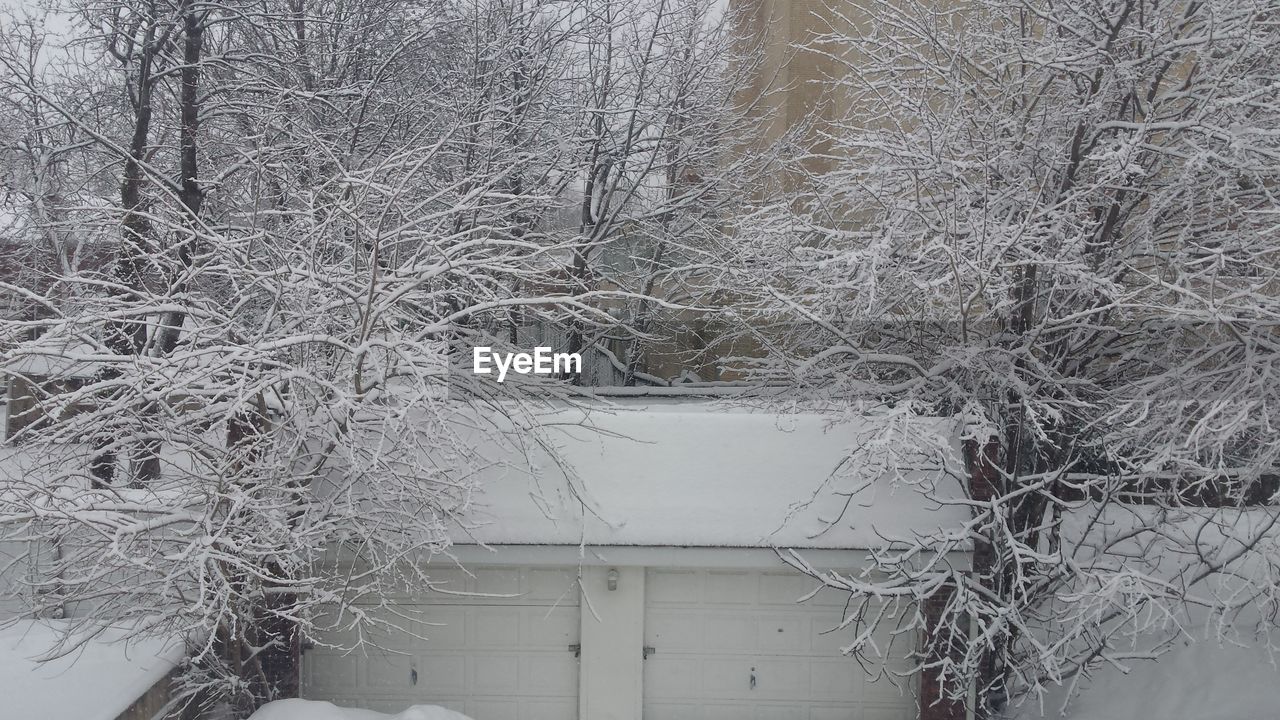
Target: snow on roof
[(53, 356), (685, 475), (97, 681)]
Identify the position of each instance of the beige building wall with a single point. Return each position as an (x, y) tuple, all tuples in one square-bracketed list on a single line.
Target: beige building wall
[(801, 59)]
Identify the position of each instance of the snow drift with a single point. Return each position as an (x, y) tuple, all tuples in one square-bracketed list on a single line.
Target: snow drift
[(317, 710)]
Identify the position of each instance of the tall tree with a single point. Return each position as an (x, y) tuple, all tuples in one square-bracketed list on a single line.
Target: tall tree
[(1057, 220)]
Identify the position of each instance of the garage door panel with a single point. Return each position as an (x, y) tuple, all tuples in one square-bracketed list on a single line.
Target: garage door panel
[(503, 586), (887, 713), (831, 680), (497, 581), (826, 637), (548, 628), (672, 711), (444, 628), (669, 677), (713, 629), (494, 674), (332, 670), (547, 710), (784, 588), (554, 586), (783, 634), (821, 712), (788, 588), (828, 597), (779, 712), (683, 631), (731, 588), (725, 678), (734, 711), (491, 658), (341, 632), (407, 633), (886, 649), (724, 633), (885, 689), (493, 627), (386, 704), (389, 671), (456, 704), (672, 586), (778, 679), (488, 709), (448, 580), (553, 675), (442, 675)]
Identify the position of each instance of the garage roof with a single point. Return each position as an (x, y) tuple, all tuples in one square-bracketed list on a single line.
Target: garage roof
[(692, 474)]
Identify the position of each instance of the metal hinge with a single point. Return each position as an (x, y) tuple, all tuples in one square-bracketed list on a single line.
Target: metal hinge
[(576, 649), (649, 650)]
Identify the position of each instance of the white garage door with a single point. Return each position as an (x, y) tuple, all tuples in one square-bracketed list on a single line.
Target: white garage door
[(735, 645), (490, 658)]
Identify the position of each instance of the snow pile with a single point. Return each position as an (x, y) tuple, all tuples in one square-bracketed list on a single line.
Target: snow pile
[(317, 710), (96, 679)]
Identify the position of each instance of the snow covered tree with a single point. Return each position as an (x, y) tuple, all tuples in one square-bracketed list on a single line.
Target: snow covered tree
[(659, 171), (284, 225), (1059, 221)]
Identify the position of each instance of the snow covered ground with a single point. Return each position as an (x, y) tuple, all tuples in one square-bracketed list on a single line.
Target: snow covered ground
[(1194, 681), (97, 680), (1207, 672), (316, 710)]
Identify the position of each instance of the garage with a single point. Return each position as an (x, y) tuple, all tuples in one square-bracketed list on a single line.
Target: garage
[(648, 585), (704, 643), (735, 645), (496, 658)]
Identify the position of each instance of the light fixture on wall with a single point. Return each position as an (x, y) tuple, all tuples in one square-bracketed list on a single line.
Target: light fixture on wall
[(613, 579)]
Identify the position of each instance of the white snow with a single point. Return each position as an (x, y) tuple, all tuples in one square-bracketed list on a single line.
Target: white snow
[(53, 356), (1201, 680), (97, 680), (684, 475), (317, 710), (1201, 676)]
